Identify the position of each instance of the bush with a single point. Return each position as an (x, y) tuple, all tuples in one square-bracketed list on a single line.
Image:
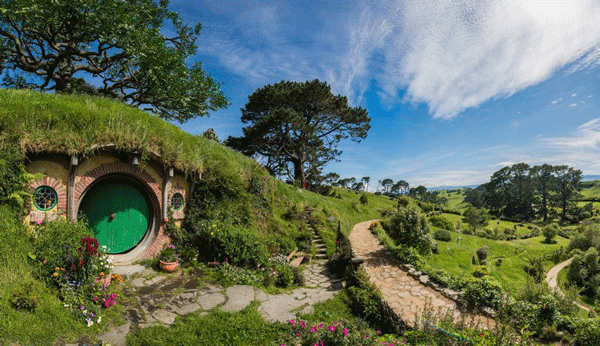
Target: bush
[(550, 232), (409, 227), (481, 271), (482, 292), (441, 222), (217, 241), (482, 253), (364, 199), (442, 235)]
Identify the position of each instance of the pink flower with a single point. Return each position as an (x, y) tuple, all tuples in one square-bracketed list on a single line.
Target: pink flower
[(331, 328), (293, 323), (298, 334), (321, 325), (378, 331), (302, 324), (321, 342), (313, 329), (345, 331)]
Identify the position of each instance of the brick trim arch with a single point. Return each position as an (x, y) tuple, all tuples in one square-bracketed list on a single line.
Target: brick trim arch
[(61, 205), (154, 242), (121, 168)]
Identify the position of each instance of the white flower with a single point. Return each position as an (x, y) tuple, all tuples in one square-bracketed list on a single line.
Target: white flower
[(99, 319)]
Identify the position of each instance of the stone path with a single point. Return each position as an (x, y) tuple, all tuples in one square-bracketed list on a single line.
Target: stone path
[(404, 294), (157, 298), (552, 280)]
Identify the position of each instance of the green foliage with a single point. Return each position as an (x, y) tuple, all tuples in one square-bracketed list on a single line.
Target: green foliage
[(217, 241), (246, 327), (339, 333), (120, 42), (13, 176), (298, 123), (364, 199), (442, 235), (475, 217), (441, 222), (485, 291), (409, 227), (25, 298), (481, 271), (550, 231), (587, 332), (228, 274)]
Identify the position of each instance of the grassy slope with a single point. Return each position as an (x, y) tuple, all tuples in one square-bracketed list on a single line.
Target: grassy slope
[(455, 257), (78, 124), (455, 198), (493, 224)]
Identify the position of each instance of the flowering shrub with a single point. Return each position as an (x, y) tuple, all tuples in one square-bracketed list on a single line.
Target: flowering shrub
[(169, 253), (73, 261), (340, 333)]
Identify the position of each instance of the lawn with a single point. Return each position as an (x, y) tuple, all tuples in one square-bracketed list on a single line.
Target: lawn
[(455, 198), (455, 256), (493, 224)]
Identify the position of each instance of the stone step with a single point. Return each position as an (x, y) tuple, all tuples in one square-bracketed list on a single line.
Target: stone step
[(320, 256)]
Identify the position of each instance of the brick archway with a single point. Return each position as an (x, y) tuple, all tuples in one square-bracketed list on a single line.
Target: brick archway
[(155, 239)]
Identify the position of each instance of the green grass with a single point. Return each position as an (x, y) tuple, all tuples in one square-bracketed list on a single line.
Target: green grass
[(493, 224), (79, 124), (246, 327), (455, 257), (50, 319), (455, 199)]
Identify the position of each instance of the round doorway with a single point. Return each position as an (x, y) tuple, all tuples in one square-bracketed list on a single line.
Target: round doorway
[(119, 213)]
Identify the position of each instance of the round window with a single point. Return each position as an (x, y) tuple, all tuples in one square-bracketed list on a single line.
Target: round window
[(45, 198), (177, 201)]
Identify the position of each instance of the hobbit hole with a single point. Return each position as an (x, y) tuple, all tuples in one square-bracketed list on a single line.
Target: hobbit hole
[(124, 203)]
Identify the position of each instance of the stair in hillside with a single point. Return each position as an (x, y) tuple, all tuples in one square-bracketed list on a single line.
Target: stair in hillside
[(317, 242)]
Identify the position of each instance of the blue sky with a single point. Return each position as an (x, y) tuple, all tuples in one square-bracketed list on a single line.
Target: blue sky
[(455, 89)]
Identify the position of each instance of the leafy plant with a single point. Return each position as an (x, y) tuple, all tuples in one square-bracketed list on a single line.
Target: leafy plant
[(169, 254)]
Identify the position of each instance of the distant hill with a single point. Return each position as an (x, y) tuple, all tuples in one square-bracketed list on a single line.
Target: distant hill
[(440, 188)]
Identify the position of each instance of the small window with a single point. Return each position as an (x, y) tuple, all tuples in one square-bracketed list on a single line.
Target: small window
[(177, 201), (45, 198)]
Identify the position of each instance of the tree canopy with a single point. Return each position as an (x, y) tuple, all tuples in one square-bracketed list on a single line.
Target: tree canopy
[(119, 45), (296, 126), (523, 192)]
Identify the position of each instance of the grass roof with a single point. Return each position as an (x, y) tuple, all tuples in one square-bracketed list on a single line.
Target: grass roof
[(81, 124)]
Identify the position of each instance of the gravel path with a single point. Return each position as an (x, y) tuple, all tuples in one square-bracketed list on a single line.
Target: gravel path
[(551, 280), (405, 295)]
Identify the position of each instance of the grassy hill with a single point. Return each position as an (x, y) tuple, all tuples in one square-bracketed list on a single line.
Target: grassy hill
[(272, 211)]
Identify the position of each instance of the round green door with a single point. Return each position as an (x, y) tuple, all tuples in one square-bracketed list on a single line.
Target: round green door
[(118, 213)]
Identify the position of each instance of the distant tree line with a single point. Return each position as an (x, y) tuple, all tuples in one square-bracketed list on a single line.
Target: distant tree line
[(524, 192)]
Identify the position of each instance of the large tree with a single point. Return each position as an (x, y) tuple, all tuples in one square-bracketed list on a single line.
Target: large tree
[(568, 183), (296, 126), (544, 180), (119, 46)]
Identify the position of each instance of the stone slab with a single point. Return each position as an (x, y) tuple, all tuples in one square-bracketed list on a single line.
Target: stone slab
[(128, 270), (211, 300), (116, 336), (239, 296), (164, 316)]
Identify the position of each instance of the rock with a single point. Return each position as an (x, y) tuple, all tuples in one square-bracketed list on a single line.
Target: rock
[(139, 282), (186, 309), (239, 296), (260, 295), (164, 316), (424, 279), (210, 300), (117, 336)]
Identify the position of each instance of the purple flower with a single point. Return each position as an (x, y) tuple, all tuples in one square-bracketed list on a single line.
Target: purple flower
[(81, 307)]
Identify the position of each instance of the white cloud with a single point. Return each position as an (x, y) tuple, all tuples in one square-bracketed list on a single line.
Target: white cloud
[(454, 55), (587, 136), (573, 105), (573, 95)]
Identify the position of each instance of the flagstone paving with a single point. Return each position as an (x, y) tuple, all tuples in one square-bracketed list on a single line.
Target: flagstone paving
[(406, 296), (158, 299)]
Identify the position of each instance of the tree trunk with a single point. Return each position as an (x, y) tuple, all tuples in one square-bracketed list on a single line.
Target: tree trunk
[(544, 207), (299, 175)]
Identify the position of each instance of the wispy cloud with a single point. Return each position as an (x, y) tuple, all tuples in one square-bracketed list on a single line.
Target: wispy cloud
[(587, 136), (453, 55)]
